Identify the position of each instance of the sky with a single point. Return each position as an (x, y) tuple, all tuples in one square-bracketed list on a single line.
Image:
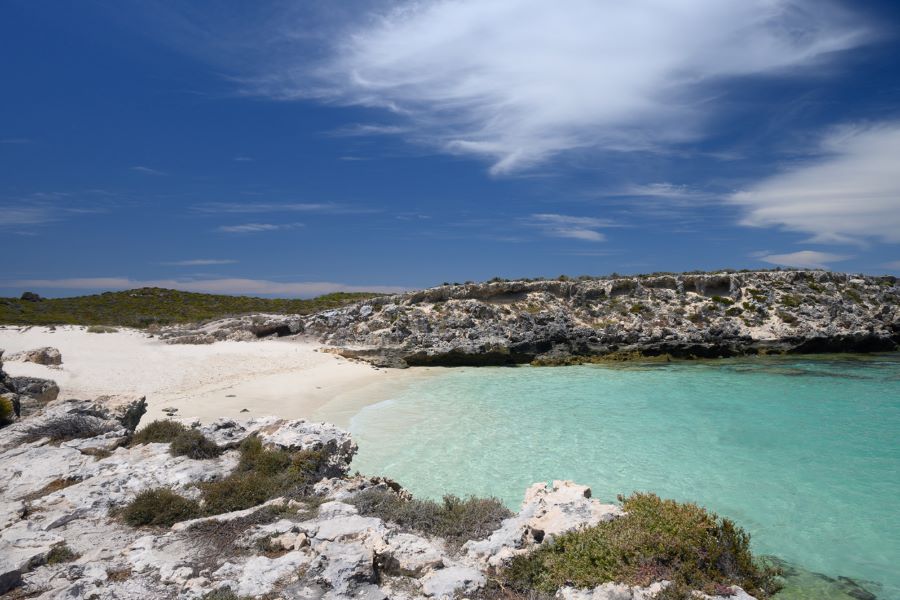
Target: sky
[(297, 148)]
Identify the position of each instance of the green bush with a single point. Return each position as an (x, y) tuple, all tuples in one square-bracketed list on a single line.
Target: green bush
[(147, 307), (455, 519), (160, 431), (722, 300), (193, 444), (790, 301), (6, 411), (161, 507), (656, 540), (60, 554), (238, 491)]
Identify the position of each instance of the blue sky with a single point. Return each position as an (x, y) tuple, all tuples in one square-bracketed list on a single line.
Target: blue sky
[(296, 148)]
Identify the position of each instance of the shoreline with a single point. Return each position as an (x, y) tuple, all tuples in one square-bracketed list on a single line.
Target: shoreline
[(288, 378)]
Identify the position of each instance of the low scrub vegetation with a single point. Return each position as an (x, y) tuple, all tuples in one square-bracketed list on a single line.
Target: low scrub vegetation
[(65, 428), (261, 475), (656, 540), (182, 440), (6, 411), (60, 554), (455, 519), (161, 507), (160, 431), (193, 444), (155, 306)]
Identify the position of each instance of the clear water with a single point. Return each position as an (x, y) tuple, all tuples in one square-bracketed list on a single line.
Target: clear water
[(804, 453)]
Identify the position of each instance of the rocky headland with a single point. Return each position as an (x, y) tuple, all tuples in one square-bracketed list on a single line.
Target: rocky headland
[(565, 321)]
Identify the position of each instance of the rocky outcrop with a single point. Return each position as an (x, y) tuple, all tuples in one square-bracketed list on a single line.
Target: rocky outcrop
[(27, 394), (60, 537), (556, 322), (42, 356)]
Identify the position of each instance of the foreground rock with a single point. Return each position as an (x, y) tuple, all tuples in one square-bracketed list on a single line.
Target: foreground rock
[(555, 322), (60, 537)]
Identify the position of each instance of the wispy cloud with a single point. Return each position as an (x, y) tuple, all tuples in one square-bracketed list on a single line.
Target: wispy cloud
[(804, 258), (364, 129), (849, 194), (567, 226), (200, 262), (147, 170), (520, 81), (213, 286), (279, 207), (257, 227)]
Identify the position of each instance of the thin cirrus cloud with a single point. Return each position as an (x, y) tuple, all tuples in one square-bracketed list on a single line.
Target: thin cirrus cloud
[(571, 227), (146, 170), (278, 207), (849, 194), (257, 227), (520, 81), (210, 286), (811, 259), (200, 262)]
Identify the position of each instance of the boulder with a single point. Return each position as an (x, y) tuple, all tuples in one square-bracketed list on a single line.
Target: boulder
[(42, 356)]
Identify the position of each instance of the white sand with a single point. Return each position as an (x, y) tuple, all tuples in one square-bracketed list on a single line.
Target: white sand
[(287, 378)]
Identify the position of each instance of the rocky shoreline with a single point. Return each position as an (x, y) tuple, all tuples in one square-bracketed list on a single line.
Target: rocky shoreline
[(703, 315), (62, 534)]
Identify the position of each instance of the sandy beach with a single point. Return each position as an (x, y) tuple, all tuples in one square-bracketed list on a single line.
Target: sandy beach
[(289, 378)]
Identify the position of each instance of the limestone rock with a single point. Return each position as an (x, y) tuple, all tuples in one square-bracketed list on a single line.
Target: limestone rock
[(547, 511), (42, 356), (611, 591), (445, 584)]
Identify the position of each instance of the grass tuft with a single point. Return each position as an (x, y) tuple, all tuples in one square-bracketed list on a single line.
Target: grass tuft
[(60, 554), (160, 431), (193, 444)]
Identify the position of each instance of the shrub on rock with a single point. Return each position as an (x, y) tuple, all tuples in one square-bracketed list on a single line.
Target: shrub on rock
[(68, 427), (7, 411), (160, 431), (161, 507), (193, 444), (455, 519), (656, 540)]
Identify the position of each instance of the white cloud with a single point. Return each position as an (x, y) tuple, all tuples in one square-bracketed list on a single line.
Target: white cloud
[(26, 215), (851, 194), (257, 227), (519, 81), (276, 207), (147, 170), (566, 226), (200, 262), (212, 286), (804, 258)]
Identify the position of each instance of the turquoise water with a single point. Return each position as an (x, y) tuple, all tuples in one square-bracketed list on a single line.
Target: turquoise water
[(804, 453)]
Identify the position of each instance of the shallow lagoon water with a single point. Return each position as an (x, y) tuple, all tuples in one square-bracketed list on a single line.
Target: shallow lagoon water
[(804, 453)]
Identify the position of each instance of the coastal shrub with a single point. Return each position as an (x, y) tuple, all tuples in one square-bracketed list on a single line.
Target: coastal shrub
[(853, 295), (263, 474), (193, 444), (734, 311), (161, 507), (101, 329), (159, 431), (455, 519), (787, 317), (6, 411), (656, 540), (722, 300), (60, 554), (68, 427), (790, 301)]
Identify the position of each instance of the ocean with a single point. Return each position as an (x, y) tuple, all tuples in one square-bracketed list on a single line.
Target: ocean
[(803, 452)]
